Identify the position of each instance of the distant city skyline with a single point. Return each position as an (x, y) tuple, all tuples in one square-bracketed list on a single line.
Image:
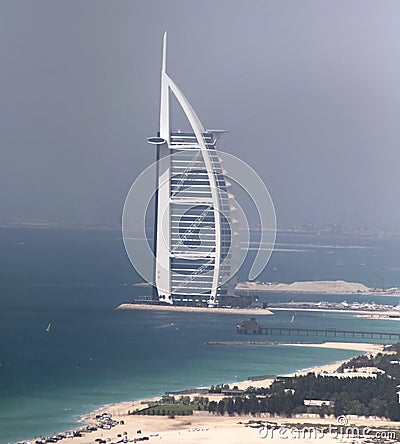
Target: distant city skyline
[(294, 229), (311, 101)]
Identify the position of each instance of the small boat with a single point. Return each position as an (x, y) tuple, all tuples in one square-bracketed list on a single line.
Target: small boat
[(48, 328), (292, 320)]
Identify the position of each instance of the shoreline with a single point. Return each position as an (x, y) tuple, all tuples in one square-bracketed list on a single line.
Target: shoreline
[(359, 313), (213, 427), (326, 287), (183, 309), (392, 315)]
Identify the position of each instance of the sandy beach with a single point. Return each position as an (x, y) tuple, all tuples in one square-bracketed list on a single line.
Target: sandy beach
[(208, 428), (316, 287), (221, 430), (364, 347), (372, 349), (319, 287)]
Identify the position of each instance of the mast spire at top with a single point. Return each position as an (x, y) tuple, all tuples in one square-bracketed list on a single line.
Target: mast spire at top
[(164, 53), (164, 105)]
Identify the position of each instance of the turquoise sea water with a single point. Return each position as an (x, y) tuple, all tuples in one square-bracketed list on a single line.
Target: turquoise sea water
[(94, 355)]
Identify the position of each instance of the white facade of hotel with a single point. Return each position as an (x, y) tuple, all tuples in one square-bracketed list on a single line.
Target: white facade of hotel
[(194, 209)]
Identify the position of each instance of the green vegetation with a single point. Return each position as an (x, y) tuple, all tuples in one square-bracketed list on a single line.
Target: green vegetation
[(218, 388), (165, 410), (346, 396), (381, 360), (355, 396), (286, 396), (169, 406)]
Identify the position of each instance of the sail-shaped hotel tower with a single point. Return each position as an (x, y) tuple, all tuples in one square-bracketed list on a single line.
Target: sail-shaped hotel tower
[(193, 214)]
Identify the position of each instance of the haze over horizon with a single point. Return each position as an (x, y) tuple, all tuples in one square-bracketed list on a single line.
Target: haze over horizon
[(309, 92)]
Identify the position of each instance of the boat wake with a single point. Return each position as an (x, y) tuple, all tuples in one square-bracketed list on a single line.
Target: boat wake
[(171, 324)]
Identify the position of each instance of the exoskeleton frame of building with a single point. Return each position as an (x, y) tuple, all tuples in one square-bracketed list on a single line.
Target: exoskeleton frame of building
[(194, 209)]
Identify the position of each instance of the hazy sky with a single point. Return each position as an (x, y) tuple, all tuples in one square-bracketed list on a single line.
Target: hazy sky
[(310, 91)]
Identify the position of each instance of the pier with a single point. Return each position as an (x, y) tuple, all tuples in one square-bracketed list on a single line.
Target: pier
[(252, 327)]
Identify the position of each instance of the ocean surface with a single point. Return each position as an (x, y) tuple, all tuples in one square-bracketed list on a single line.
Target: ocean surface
[(94, 355)]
